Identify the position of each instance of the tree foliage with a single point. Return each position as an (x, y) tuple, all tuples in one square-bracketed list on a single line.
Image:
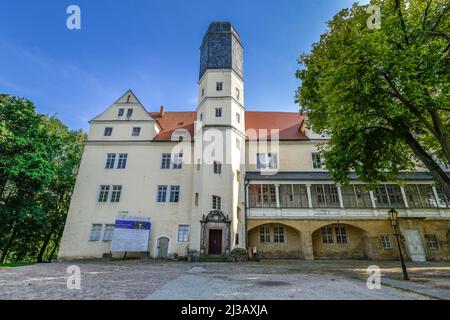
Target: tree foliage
[(383, 94), (39, 158)]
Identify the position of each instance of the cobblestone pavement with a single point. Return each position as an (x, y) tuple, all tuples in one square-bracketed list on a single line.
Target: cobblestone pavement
[(270, 279)]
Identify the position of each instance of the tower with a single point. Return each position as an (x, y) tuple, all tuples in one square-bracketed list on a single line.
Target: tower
[(218, 180)]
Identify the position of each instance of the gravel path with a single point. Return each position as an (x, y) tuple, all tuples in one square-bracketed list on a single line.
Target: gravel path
[(137, 279)]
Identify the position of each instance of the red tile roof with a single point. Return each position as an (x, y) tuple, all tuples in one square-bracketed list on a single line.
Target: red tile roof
[(288, 124)]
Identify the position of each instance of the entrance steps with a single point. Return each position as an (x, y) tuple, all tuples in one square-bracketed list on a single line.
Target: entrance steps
[(216, 258)]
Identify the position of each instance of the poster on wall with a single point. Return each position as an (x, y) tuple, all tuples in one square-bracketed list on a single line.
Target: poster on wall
[(131, 234)]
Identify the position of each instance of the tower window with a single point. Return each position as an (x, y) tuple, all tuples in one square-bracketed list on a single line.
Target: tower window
[(218, 112), (217, 167), (238, 93), (216, 202), (238, 117), (219, 86)]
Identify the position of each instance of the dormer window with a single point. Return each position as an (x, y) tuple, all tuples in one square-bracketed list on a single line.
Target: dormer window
[(218, 112), (219, 86), (121, 112), (108, 132), (129, 112)]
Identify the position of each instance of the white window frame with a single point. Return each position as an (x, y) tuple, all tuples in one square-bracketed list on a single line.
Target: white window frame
[(432, 242), (218, 112), (177, 160), (108, 232), (183, 235), (122, 161), (108, 130), (386, 242), (110, 160), (121, 112), (175, 192), (163, 189), (216, 202), (264, 237), (217, 167), (267, 160), (129, 112), (279, 234), (103, 189), (116, 193), (98, 228), (136, 132), (164, 158)]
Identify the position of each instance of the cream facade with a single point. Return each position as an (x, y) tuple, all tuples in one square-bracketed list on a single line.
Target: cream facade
[(221, 178)]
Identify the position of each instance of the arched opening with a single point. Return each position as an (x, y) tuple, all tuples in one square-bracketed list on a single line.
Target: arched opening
[(276, 241), (162, 248), (341, 241)]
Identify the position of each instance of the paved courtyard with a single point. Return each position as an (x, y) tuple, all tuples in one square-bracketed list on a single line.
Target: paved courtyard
[(269, 279)]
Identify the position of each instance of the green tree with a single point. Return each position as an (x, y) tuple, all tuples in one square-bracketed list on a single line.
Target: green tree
[(383, 94), (39, 158)]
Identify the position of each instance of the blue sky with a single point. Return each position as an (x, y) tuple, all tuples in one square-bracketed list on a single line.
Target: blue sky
[(151, 47)]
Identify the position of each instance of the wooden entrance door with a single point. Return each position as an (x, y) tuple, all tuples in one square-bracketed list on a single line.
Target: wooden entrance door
[(215, 241)]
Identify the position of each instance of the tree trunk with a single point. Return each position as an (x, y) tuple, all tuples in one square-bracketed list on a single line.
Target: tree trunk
[(429, 163), (43, 248), (9, 244), (54, 249)]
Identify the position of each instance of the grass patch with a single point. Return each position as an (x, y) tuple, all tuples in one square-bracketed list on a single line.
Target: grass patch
[(16, 264)]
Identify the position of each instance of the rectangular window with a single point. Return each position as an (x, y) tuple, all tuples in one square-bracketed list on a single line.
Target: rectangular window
[(218, 112), (341, 235), (219, 86), (293, 196), (177, 160), (317, 161), (420, 196), (174, 193), (327, 235), (356, 196), (236, 241), (110, 160), (104, 193), (389, 196), (238, 117), (432, 242), (203, 92), (109, 231), (162, 194), (201, 116), (165, 161), (264, 234), (386, 242), (196, 199), (217, 167), (136, 132), (129, 112), (108, 132), (324, 196), (121, 112), (216, 202), (115, 194), (278, 234), (266, 160), (96, 231), (238, 93), (443, 200), (122, 162), (183, 233)]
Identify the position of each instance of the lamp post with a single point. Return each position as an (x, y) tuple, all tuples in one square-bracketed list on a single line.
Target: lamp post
[(393, 218)]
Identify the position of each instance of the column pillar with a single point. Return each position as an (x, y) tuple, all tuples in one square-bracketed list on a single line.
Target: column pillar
[(341, 201), (308, 192), (307, 245), (402, 189), (277, 194)]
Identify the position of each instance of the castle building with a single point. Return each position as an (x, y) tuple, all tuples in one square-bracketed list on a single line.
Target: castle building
[(221, 178)]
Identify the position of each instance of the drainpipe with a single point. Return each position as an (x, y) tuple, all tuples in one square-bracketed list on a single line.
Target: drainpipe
[(245, 209)]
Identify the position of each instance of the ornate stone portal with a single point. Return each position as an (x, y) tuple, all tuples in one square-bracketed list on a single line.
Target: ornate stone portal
[(215, 220)]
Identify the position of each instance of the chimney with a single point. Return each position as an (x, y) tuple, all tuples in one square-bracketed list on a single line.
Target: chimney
[(161, 111)]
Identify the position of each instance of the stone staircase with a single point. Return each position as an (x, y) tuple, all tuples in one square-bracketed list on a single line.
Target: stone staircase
[(216, 258)]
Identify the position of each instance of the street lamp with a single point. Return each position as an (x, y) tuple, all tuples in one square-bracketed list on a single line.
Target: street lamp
[(393, 218)]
